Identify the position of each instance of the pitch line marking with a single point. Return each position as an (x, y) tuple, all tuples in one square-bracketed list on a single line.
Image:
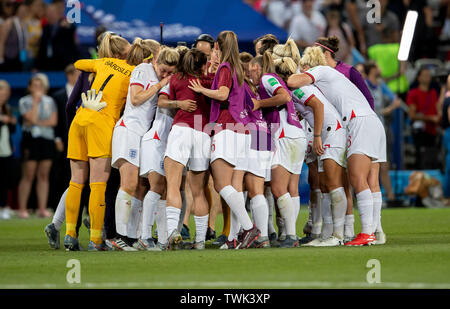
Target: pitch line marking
[(230, 284)]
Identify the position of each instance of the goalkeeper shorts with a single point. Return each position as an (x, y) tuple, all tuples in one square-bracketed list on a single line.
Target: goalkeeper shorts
[(90, 139)]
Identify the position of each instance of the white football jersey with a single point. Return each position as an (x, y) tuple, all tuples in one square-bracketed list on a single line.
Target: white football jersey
[(139, 118), (341, 92), (271, 86), (330, 115)]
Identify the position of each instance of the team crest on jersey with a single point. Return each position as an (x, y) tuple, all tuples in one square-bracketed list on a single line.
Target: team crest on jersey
[(133, 153), (299, 93), (273, 81)]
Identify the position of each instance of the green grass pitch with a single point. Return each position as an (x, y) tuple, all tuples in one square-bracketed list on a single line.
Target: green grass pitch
[(416, 255)]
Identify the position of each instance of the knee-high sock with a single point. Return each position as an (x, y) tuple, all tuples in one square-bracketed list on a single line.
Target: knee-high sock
[(377, 203), (135, 216), (236, 202), (286, 207), (327, 230), (182, 211), (349, 230), (271, 202), (296, 201), (260, 210), (73, 199), (173, 218), (161, 222), (201, 225), (150, 206), (316, 212), (123, 209), (97, 210), (60, 213), (235, 226), (365, 207), (338, 210)]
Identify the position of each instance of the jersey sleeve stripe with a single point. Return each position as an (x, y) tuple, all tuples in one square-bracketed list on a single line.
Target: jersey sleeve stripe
[(312, 77), (275, 92), (137, 84), (163, 92), (307, 100)]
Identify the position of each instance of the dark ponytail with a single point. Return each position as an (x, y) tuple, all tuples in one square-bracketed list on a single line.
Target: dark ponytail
[(193, 62)]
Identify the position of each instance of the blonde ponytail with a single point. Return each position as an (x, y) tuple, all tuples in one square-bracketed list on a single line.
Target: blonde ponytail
[(312, 57), (113, 46), (142, 50), (285, 67), (289, 49)]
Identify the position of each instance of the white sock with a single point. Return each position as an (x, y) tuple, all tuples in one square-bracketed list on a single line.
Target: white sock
[(365, 207), (133, 220), (123, 209), (60, 213), (349, 230), (296, 201), (183, 210), (377, 203), (161, 222), (201, 225), (173, 217), (338, 208), (316, 212), (286, 207), (235, 226), (150, 205), (260, 210), (327, 230), (235, 200), (271, 202)]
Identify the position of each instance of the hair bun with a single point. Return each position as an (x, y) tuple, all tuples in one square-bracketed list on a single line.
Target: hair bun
[(333, 42)]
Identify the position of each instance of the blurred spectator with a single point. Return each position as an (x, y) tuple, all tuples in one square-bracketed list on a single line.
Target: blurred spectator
[(336, 27), (13, 42), (8, 164), (307, 26), (6, 10), (58, 46), (38, 147), (245, 60), (425, 117), (265, 42), (446, 141), (385, 103), (33, 26), (281, 12), (387, 31)]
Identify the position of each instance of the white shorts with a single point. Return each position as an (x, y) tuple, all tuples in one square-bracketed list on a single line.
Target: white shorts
[(366, 135), (290, 153), (231, 147), (153, 146), (258, 162), (310, 155), (336, 154), (189, 147), (125, 145), (152, 157)]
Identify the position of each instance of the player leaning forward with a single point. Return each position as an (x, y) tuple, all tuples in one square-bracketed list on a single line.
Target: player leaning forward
[(366, 139), (145, 82)]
